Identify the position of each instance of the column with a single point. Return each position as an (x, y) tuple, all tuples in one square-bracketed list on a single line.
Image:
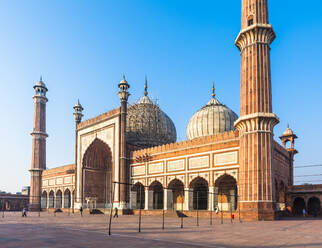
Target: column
[(167, 199), (133, 200), (148, 199), (211, 198)]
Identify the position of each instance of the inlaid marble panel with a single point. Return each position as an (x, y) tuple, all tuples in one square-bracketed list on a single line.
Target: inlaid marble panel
[(199, 162), (156, 168), (175, 165), (138, 170), (226, 158)]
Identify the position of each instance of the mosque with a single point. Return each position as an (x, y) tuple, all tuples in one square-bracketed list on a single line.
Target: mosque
[(228, 161)]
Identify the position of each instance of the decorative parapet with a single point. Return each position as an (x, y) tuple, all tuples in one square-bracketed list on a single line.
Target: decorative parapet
[(99, 118), (145, 155), (280, 148), (65, 169)]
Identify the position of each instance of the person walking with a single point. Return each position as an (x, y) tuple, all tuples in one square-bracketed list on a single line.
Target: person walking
[(116, 215), (81, 211), (24, 212)]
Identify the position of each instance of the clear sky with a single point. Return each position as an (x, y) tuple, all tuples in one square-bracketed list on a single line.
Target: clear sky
[(82, 48)]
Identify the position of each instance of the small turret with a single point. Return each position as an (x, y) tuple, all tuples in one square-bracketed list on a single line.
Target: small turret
[(78, 112)]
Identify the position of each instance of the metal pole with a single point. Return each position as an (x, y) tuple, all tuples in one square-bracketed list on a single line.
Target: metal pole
[(239, 210), (140, 211), (3, 208), (222, 216), (211, 207), (39, 206), (197, 208), (182, 209), (111, 211), (231, 212), (163, 218)]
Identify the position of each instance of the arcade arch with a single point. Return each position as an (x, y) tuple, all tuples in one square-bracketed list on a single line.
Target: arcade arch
[(200, 193), (139, 191), (157, 189), (227, 197), (314, 206), (298, 206), (44, 199), (51, 201), (177, 188)]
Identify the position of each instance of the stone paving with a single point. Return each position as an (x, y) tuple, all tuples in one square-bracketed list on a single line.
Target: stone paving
[(92, 231)]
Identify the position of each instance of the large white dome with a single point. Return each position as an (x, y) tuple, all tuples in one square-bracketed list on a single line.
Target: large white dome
[(211, 119)]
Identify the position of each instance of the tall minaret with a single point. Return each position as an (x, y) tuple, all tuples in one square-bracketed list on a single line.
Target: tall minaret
[(124, 170), (39, 135), (257, 121)]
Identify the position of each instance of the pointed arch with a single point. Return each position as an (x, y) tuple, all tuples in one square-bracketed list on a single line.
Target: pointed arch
[(139, 191), (51, 203), (97, 173), (227, 193), (67, 198), (200, 189), (177, 187), (59, 199), (157, 189), (44, 199)]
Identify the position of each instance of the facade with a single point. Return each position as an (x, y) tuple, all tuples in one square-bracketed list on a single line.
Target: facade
[(13, 202), (228, 162)]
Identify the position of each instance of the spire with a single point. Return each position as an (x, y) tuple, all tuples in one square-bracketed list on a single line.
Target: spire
[(213, 90), (288, 125), (40, 79), (146, 86)]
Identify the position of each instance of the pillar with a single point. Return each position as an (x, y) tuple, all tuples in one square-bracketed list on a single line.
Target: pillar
[(167, 199), (148, 199), (211, 198)]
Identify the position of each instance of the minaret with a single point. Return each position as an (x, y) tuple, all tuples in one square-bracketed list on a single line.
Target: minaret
[(39, 135), (256, 120), (124, 169)]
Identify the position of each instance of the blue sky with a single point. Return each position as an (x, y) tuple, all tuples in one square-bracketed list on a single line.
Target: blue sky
[(82, 48)]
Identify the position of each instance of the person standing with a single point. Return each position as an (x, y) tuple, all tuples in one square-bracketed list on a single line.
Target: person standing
[(304, 212)]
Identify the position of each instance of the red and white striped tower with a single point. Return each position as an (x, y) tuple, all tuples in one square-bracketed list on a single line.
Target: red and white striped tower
[(256, 122)]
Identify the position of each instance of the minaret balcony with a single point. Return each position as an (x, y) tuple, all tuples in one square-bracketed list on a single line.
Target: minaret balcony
[(256, 33)]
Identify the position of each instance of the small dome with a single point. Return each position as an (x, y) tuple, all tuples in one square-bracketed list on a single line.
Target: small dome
[(288, 132), (41, 84), (147, 125), (213, 118)]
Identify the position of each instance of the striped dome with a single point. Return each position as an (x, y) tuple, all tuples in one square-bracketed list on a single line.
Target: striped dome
[(211, 119)]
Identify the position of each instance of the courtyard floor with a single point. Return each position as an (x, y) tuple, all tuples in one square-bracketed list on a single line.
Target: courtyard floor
[(63, 230)]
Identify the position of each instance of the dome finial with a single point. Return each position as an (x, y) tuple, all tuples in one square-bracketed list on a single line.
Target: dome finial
[(40, 78), (288, 125), (146, 86), (213, 90)]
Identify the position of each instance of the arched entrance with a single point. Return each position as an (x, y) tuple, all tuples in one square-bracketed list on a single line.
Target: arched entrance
[(97, 176), (67, 199), (44, 199), (139, 191), (314, 206), (227, 195), (298, 206), (157, 189), (200, 193), (59, 198), (51, 199), (177, 188)]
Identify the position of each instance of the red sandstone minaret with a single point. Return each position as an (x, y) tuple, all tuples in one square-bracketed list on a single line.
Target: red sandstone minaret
[(124, 170), (39, 135), (256, 120)]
